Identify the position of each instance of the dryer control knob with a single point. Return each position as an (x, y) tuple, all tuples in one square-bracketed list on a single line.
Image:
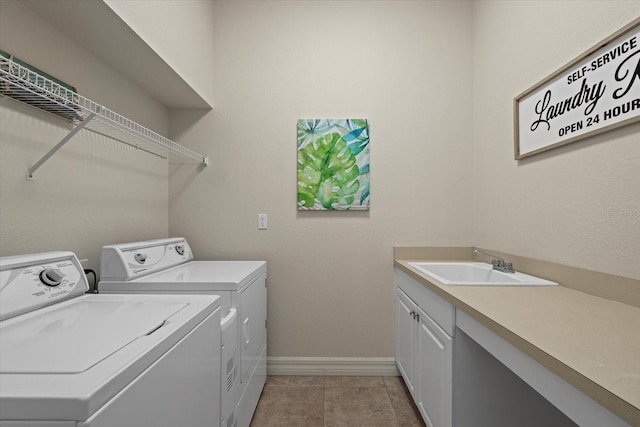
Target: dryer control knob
[(51, 277), (180, 249), (140, 258)]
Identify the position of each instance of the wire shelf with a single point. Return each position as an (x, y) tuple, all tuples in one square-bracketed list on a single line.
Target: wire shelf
[(31, 88)]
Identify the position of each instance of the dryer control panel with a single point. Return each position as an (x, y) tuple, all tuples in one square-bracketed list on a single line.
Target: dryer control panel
[(30, 282), (132, 260)]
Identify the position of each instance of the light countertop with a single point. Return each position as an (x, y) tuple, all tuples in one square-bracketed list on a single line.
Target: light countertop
[(591, 342)]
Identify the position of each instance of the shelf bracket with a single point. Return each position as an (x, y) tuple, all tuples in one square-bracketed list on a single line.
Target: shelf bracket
[(64, 140)]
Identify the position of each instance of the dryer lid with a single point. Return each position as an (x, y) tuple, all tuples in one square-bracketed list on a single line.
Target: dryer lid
[(199, 276), (71, 337)]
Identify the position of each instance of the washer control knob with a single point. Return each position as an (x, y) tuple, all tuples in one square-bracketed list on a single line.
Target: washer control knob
[(140, 258), (51, 277), (180, 249)]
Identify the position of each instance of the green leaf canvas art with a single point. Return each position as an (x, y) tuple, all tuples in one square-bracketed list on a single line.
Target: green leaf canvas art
[(333, 164)]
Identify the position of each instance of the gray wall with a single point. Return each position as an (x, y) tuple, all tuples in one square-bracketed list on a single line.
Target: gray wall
[(92, 192), (406, 66), (577, 205), (436, 79)]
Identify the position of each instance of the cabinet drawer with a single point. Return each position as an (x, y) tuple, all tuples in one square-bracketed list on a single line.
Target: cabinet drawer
[(441, 311)]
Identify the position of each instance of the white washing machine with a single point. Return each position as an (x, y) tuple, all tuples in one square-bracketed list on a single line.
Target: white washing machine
[(167, 266), (73, 359)]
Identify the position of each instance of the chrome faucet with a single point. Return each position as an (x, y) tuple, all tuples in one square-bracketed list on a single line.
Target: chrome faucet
[(497, 262)]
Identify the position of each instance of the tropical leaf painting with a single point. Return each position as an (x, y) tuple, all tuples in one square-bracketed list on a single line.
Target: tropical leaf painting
[(333, 164)]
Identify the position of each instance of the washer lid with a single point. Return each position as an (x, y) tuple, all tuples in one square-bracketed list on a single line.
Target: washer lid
[(72, 337)]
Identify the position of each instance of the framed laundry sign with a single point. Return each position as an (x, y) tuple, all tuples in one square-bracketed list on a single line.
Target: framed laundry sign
[(596, 92)]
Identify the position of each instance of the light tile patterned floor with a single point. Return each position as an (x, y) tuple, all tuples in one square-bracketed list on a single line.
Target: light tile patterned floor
[(315, 401)]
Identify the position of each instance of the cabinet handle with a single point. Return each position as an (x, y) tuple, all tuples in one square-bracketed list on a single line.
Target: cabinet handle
[(417, 317), (412, 314)]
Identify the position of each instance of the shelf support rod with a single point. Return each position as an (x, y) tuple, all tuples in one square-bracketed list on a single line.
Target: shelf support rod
[(63, 141)]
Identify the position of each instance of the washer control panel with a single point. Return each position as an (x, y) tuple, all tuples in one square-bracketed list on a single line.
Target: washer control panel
[(34, 281), (52, 276)]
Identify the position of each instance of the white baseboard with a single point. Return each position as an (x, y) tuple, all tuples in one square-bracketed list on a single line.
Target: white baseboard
[(348, 366)]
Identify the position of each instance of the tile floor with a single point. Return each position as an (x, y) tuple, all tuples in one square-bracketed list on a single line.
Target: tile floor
[(332, 401)]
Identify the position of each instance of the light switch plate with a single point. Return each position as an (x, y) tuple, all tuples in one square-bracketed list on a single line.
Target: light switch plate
[(262, 221)]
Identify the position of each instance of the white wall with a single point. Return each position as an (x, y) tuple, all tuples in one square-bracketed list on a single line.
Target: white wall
[(92, 192), (435, 79), (406, 66), (181, 32), (577, 205)]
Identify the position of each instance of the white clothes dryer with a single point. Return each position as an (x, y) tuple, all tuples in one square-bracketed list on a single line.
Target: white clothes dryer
[(167, 266), (73, 359)]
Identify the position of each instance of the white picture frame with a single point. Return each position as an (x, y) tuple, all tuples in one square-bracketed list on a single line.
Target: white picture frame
[(596, 92)]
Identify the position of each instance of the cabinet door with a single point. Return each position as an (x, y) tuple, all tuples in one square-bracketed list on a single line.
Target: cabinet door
[(433, 367), (405, 338)]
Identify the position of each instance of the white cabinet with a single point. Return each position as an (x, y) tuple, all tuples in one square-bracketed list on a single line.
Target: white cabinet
[(406, 330), (434, 361), (424, 350), (470, 388)]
